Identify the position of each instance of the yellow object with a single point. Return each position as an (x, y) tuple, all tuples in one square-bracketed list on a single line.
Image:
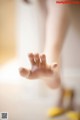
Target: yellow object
[(55, 112), (73, 115)]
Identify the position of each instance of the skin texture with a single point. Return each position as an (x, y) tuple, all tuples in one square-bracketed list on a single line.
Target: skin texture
[(48, 65), (40, 69)]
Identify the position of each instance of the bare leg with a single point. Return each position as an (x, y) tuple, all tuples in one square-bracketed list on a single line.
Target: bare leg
[(41, 11), (53, 46), (55, 37)]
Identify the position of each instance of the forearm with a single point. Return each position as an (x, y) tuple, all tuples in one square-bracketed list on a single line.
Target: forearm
[(56, 28)]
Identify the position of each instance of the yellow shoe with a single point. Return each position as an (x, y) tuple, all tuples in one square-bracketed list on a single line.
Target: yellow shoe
[(55, 112), (73, 115)]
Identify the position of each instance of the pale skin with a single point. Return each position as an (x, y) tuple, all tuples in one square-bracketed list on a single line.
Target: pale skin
[(40, 69), (53, 44), (47, 65)]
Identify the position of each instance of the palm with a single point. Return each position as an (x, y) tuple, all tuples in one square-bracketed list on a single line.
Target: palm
[(39, 68)]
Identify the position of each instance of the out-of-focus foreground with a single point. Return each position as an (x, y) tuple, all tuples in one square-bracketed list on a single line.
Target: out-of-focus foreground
[(21, 32)]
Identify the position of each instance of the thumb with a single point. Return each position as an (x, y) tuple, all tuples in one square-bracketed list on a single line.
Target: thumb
[(54, 66)]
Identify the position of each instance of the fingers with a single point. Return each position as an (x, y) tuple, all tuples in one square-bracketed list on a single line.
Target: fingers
[(24, 72), (31, 58), (37, 60), (54, 66), (34, 59), (43, 61), (28, 73)]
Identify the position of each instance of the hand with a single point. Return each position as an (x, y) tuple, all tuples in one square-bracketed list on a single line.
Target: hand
[(39, 68)]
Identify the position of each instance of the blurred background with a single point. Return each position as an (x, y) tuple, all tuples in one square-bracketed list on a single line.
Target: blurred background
[(21, 32)]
